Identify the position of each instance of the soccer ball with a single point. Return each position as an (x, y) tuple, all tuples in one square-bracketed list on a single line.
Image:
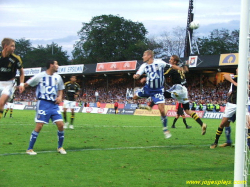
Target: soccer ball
[(194, 25)]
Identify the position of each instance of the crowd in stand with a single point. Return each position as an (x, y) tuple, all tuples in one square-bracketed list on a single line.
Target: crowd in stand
[(116, 89)]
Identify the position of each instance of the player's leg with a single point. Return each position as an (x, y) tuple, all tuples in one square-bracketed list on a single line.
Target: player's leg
[(164, 120), (65, 117), (219, 131), (60, 134), (228, 135), (175, 119), (11, 110), (228, 132), (230, 110), (56, 117), (71, 126), (7, 89), (195, 117), (6, 111), (3, 99), (42, 116), (33, 138), (185, 122), (66, 105)]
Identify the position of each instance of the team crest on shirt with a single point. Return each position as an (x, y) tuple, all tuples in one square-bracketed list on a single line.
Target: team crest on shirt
[(9, 65)]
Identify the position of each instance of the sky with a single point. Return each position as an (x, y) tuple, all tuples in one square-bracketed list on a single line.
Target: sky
[(47, 21)]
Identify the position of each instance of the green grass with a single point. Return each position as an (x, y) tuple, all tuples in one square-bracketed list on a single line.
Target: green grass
[(112, 150)]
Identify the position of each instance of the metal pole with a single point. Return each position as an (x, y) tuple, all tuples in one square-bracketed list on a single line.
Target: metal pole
[(241, 96)]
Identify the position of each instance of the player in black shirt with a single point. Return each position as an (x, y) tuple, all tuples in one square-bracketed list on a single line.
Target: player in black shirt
[(230, 109), (9, 64), (72, 89)]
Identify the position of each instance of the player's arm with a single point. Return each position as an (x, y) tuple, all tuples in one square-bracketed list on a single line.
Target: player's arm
[(33, 81), (166, 65), (140, 71), (177, 67), (61, 87), (136, 76), (76, 96), (186, 66), (21, 78), (59, 96), (230, 79)]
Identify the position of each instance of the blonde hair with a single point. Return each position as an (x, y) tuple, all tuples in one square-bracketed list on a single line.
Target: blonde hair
[(6, 41), (150, 52)]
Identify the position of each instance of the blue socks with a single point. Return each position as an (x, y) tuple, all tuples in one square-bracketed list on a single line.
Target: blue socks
[(164, 121), (33, 138), (60, 135), (34, 135), (228, 134)]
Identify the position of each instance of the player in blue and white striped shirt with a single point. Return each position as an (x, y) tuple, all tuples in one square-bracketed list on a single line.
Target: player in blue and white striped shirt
[(49, 93), (154, 86)]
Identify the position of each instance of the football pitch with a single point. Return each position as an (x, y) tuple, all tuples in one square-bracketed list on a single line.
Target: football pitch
[(113, 150)]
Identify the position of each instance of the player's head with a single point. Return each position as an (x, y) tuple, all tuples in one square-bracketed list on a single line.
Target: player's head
[(73, 78), (53, 65), (174, 60), (147, 55), (8, 45)]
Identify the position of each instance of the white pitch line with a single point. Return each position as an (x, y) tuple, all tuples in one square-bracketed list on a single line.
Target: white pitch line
[(107, 149), (89, 125)]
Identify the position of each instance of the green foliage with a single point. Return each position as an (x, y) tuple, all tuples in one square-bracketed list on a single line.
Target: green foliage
[(37, 57), (23, 47), (110, 38), (112, 150), (219, 42)]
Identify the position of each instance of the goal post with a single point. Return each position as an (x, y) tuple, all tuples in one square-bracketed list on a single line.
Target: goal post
[(240, 162)]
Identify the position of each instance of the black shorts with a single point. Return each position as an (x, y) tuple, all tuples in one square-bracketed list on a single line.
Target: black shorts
[(116, 108), (180, 111)]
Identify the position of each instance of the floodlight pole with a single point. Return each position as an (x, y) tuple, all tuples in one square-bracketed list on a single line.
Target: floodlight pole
[(189, 32)]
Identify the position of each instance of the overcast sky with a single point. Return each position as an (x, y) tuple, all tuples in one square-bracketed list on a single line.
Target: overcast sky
[(47, 21)]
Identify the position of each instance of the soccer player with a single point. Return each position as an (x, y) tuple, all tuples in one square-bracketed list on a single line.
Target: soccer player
[(179, 91), (180, 112), (10, 106), (9, 64), (230, 110), (154, 86), (72, 89), (49, 93), (116, 107)]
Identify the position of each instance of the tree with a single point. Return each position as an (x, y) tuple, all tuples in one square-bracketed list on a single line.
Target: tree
[(110, 38), (39, 56), (23, 46), (219, 42)]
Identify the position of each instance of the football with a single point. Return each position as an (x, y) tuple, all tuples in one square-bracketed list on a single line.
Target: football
[(194, 25)]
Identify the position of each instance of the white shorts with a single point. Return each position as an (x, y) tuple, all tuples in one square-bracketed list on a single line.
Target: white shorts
[(10, 105), (69, 104), (230, 110), (7, 87), (179, 92)]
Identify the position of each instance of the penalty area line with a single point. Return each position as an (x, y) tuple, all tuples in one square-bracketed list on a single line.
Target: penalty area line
[(106, 149)]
